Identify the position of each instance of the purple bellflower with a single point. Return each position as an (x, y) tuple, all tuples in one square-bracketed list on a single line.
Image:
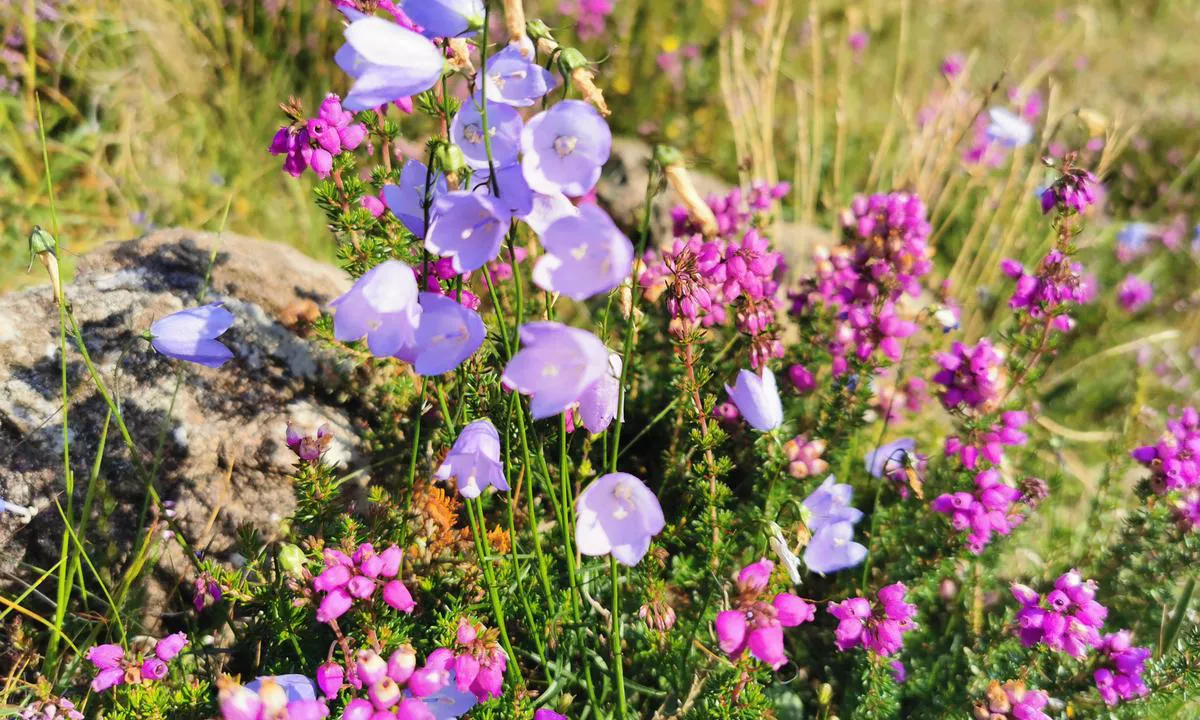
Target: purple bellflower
[(617, 514), (514, 194), (503, 136), (757, 399), (270, 698), (586, 255), (556, 366), (1007, 128), (469, 229), (406, 200), (382, 305), (191, 335), (599, 402), (474, 460), (445, 18), (564, 148), (831, 519), (514, 79), (388, 62), (448, 333)]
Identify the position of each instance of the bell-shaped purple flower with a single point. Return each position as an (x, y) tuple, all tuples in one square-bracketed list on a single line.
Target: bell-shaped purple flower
[(547, 210), (831, 519), (514, 193), (888, 458), (191, 335), (617, 514), (514, 79), (503, 136), (474, 460), (445, 18), (388, 62), (448, 333), (598, 404), (556, 365), (1007, 128), (407, 199), (564, 148), (757, 399), (469, 229), (382, 306), (586, 255)]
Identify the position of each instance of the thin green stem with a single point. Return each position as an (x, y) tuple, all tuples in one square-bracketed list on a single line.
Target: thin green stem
[(618, 662), (475, 514)]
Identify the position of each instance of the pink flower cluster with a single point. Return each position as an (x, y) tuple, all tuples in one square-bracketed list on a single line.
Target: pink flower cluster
[(736, 271), (1174, 462), (1073, 192), (990, 445), (315, 142), (1046, 293), (993, 508), (439, 275), (1068, 619), (60, 709), (804, 457), (396, 688), (1121, 678), (880, 629), (590, 16), (1134, 293), (114, 668), (970, 375), (883, 256), (347, 579), (756, 624), (1012, 701)]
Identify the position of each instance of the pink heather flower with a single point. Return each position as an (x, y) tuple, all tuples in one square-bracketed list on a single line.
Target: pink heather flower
[(1134, 293), (969, 375), (1073, 192), (382, 306), (804, 457), (474, 460), (880, 629), (564, 148), (1049, 292), (346, 580), (755, 624), (556, 366), (757, 399), (514, 79), (206, 591), (191, 335), (53, 708), (1121, 677), (1175, 468), (953, 64), (991, 509), (1012, 701), (469, 228), (478, 663), (617, 514), (167, 648), (407, 200), (387, 62), (586, 255), (503, 138), (267, 698), (545, 714), (1067, 619), (330, 678)]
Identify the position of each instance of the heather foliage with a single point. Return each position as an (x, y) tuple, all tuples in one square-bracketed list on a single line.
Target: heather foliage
[(696, 473)]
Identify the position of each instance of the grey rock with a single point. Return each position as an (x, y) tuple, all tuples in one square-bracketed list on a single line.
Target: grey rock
[(224, 461)]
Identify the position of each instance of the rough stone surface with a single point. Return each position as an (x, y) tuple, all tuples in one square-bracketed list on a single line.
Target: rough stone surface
[(224, 462), (622, 190)]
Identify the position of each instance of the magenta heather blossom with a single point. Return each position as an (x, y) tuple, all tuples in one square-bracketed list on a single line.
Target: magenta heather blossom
[(757, 399), (989, 445), (1012, 701), (590, 16), (308, 448), (479, 661), (804, 457), (545, 714), (586, 255), (407, 199), (1134, 293), (970, 375), (556, 366), (206, 592), (564, 148), (1049, 292), (1073, 192), (474, 460), (388, 62), (756, 624), (114, 667), (1067, 619), (880, 629), (468, 229), (514, 79), (54, 709), (617, 514), (349, 579), (1174, 462), (314, 143), (993, 508), (503, 138), (382, 306), (270, 698), (1121, 677), (191, 335)]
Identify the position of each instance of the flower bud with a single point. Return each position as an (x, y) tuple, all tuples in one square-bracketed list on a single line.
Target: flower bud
[(291, 559), (42, 245), (370, 666), (330, 677), (825, 694)]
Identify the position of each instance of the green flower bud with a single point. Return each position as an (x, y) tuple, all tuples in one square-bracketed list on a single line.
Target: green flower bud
[(571, 60), (291, 559), (537, 30), (825, 694), (450, 158), (41, 241)]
